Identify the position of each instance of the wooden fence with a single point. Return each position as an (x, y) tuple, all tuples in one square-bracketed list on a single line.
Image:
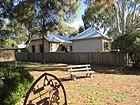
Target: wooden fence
[(100, 58)]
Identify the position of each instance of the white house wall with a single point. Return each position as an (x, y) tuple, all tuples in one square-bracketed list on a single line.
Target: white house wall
[(87, 45)]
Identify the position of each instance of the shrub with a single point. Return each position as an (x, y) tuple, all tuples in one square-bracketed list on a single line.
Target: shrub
[(129, 43), (14, 83)]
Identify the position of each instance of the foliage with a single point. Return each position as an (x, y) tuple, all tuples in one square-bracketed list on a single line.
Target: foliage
[(6, 38), (35, 17), (20, 32), (101, 4), (45, 15), (113, 15), (94, 18), (8, 43), (66, 31), (14, 83), (129, 43), (81, 29), (5, 32)]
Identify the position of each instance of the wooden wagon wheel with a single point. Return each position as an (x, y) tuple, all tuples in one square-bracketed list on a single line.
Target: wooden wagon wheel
[(46, 90)]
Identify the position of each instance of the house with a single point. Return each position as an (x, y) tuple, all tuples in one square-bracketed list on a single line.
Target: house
[(52, 43), (90, 40)]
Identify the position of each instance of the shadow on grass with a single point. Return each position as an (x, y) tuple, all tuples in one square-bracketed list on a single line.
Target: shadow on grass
[(97, 69), (70, 79), (117, 70), (37, 67), (44, 69), (30, 66)]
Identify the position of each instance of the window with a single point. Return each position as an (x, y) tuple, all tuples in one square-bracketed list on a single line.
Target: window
[(106, 46), (33, 48), (41, 48), (64, 48)]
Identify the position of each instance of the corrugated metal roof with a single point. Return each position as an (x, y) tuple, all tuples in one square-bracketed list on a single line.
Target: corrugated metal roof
[(57, 38), (89, 33), (51, 38)]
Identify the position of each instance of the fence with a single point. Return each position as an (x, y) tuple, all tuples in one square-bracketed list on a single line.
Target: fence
[(101, 58)]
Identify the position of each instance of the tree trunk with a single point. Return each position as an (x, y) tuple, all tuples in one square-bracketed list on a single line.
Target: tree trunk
[(124, 15), (43, 40), (27, 46), (43, 51), (117, 17)]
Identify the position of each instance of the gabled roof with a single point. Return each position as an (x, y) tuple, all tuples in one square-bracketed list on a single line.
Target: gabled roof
[(89, 33), (57, 38), (54, 38), (51, 38)]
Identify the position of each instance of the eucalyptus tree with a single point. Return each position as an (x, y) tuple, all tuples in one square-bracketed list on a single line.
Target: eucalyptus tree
[(9, 31), (39, 16), (115, 15), (45, 15), (92, 17), (52, 13), (25, 17), (5, 33)]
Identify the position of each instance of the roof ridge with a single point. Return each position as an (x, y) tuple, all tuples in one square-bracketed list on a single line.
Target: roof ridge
[(81, 32), (89, 33), (56, 38), (98, 31)]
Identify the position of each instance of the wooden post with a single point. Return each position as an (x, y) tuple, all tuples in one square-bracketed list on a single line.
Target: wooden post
[(15, 63), (43, 51)]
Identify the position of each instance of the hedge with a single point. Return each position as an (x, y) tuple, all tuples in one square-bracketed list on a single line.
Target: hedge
[(14, 83)]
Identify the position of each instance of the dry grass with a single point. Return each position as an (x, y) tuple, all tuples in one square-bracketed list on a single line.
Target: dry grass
[(109, 86)]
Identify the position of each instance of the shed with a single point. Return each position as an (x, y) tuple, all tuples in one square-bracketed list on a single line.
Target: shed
[(90, 40)]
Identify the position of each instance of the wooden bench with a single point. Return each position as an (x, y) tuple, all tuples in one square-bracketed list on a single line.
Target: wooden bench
[(80, 69)]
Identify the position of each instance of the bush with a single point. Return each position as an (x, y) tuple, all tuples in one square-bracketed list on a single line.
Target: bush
[(129, 43), (14, 83)]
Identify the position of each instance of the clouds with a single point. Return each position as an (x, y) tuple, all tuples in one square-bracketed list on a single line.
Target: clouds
[(76, 24)]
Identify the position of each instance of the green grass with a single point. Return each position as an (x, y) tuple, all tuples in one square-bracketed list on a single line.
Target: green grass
[(96, 95), (24, 64), (118, 97), (30, 64)]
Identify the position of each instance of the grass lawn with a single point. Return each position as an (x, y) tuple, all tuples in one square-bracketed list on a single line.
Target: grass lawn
[(109, 86)]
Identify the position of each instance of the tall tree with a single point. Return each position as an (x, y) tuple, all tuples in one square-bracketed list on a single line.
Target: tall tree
[(6, 32), (94, 18), (39, 15), (48, 15), (51, 13), (116, 16)]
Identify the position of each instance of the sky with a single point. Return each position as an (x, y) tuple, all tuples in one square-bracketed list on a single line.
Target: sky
[(78, 21)]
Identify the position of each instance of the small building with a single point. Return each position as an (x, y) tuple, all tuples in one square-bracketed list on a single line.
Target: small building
[(52, 43), (90, 40)]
